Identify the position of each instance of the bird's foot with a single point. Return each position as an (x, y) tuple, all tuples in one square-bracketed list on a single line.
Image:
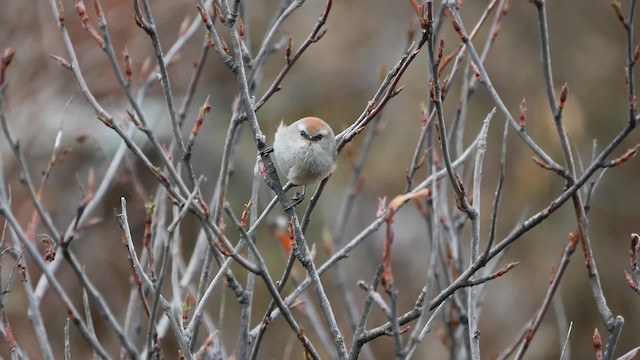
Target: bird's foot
[(297, 199), (266, 151)]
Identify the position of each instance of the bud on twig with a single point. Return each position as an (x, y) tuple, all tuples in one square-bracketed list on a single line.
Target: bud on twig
[(7, 56), (186, 306), (541, 163), (457, 28), (225, 47), (86, 25), (424, 23), (287, 51), (204, 111), (432, 91), (60, 13), (523, 113), (240, 28), (319, 36), (624, 157), (61, 61), (416, 7), (617, 7), (134, 119), (97, 8), (447, 60), (127, 65), (210, 42), (476, 72), (632, 284), (204, 17), (219, 13), (137, 20), (563, 95), (245, 212), (597, 344)]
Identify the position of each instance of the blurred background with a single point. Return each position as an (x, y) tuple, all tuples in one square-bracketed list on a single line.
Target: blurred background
[(334, 80)]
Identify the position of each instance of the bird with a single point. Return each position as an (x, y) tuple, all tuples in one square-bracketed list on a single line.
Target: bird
[(305, 151)]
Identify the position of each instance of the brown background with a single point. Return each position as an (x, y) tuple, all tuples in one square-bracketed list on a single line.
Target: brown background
[(334, 80)]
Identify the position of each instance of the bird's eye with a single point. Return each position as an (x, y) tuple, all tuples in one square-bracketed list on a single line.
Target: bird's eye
[(302, 133)]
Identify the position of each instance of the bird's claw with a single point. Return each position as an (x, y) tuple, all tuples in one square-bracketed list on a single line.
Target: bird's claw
[(297, 199), (266, 151)]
